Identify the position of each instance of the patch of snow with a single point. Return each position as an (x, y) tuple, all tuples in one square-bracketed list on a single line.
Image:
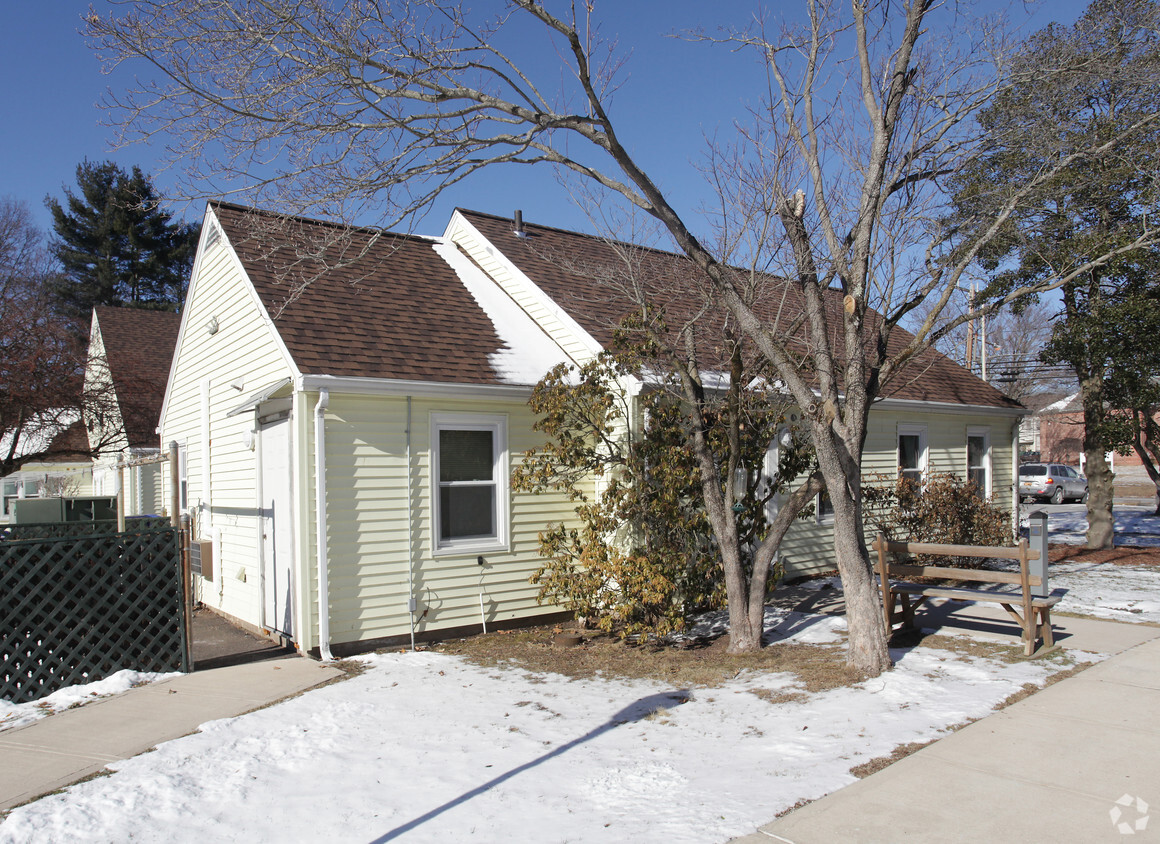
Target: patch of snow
[(1133, 525), (428, 747), (528, 352), (1061, 405), (780, 625), (1105, 590), (14, 715)]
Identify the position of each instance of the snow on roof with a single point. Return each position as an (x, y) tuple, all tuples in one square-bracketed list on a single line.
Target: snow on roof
[(1062, 405), (527, 353)]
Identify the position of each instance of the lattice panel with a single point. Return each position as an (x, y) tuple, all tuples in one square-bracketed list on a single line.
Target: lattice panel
[(78, 609), (60, 530)]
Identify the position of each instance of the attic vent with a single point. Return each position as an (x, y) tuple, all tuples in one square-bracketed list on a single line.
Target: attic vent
[(215, 234)]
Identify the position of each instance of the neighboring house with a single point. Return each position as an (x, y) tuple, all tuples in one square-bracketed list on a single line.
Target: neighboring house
[(348, 407), (62, 475), (1030, 429), (1061, 432), (130, 354)]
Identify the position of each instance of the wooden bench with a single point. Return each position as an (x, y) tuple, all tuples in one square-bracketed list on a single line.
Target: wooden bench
[(1033, 614)]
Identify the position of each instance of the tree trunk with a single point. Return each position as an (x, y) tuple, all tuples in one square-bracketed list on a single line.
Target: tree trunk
[(1101, 529), (745, 632), (840, 464), (867, 652)]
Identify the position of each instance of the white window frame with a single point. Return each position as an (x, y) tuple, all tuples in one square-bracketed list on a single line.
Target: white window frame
[(182, 478), (496, 424), (821, 515), (981, 432), (910, 430)]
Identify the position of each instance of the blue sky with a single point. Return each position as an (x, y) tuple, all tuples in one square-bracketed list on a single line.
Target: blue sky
[(675, 94)]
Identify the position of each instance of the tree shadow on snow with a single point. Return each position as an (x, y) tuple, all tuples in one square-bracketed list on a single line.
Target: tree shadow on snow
[(636, 711)]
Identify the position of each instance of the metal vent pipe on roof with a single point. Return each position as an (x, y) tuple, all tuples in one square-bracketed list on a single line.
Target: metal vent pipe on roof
[(519, 224)]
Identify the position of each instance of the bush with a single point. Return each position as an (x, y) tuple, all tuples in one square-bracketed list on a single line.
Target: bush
[(945, 510), (641, 557)]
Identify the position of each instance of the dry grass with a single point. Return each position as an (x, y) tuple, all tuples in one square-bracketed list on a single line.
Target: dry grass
[(816, 668), (781, 695), (971, 647), (1008, 652), (901, 752), (1123, 556)]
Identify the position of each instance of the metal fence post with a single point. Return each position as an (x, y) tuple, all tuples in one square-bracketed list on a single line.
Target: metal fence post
[(1037, 538)]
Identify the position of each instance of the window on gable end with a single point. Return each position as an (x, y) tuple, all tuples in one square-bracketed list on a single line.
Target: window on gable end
[(979, 458)]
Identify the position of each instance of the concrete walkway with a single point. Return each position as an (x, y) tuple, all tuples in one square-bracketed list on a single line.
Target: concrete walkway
[(1048, 768), (63, 748)]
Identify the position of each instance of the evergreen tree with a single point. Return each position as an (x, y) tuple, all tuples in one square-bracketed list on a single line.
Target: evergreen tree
[(115, 244), (1100, 203)]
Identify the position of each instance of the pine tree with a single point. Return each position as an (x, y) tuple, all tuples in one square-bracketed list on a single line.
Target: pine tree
[(115, 244), (1100, 203)]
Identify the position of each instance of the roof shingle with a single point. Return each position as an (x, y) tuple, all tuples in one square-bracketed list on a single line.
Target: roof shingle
[(587, 276), (139, 346), (356, 302)]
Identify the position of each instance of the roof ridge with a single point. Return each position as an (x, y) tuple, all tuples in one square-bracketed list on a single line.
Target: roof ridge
[(315, 221)]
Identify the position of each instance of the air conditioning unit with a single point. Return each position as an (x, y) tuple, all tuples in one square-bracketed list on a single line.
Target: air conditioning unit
[(201, 557)]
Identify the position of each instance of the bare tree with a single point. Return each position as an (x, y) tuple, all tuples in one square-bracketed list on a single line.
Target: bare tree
[(1005, 348), (838, 185), (671, 332), (42, 356)]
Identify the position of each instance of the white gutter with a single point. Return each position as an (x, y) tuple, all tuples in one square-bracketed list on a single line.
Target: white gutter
[(402, 388), (320, 523)]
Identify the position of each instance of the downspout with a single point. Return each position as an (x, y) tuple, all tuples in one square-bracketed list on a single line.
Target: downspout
[(412, 605), (320, 523)]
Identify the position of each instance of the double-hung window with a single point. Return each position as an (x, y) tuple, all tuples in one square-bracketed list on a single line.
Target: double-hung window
[(469, 468), (979, 458), (912, 458)]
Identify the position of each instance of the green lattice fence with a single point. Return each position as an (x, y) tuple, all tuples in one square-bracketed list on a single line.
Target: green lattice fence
[(79, 608), (58, 530)]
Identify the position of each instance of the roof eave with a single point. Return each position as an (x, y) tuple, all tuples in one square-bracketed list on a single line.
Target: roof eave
[(400, 387)]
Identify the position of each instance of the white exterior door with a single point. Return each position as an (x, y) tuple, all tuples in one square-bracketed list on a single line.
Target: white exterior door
[(277, 528)]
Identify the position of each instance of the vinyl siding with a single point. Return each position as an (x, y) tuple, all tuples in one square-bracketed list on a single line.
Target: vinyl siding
[(242, 351), (370, 556), (808, 547)]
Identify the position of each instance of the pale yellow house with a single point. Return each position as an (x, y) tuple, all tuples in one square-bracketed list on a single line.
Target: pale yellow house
[(348, 407), (130, 354), (56, 476)]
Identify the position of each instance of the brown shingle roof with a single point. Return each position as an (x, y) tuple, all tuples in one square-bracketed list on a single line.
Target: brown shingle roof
[(139, 346), (582, 273), (360, 303)]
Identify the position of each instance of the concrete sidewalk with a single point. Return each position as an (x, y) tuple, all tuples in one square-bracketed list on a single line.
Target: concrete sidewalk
[(63, 748), (1048, 768)]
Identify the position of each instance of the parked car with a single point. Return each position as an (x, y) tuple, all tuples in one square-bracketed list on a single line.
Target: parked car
[(1052, 482)]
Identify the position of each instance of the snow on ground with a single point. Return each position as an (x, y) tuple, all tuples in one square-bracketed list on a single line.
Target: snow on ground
[(428, 747), (1121, 593), (1068, 524), (18, 714)]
